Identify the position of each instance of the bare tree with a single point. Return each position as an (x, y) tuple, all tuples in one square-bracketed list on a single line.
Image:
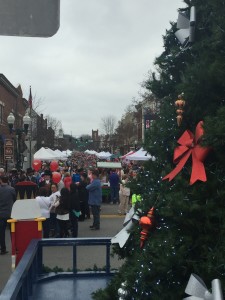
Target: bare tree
[(38, 104), (55, 124), (108, 124)]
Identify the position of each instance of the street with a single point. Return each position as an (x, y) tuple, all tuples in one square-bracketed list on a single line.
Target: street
[(87, 257)]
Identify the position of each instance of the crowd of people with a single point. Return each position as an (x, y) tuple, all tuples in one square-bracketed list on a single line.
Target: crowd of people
[(65, 203)]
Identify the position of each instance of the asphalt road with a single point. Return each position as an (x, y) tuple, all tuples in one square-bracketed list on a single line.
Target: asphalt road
[(87, 257)]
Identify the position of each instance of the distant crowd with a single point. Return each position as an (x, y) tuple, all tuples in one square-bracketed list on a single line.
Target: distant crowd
[(71, 198)]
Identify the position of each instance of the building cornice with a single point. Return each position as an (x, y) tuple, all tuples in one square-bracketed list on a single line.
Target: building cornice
[(8, 85)]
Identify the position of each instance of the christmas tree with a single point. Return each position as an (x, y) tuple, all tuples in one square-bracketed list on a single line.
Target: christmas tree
[(189, 236)]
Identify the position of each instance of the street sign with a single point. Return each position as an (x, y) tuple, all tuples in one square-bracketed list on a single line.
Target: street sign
[(8, 149), (34, 18)]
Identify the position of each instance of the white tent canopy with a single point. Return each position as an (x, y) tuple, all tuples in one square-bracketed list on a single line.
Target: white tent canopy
[(91, 152), (104, 155), (67, 152), (125, 155), (60, 155), (141, 154), (45, 154)]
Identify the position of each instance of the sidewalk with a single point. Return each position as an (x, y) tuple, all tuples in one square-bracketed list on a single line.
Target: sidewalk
[(111, 224)]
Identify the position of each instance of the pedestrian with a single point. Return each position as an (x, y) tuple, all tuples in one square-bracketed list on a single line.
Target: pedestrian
[(95, 198), (74, 209), (54, 226), (114, 181), (44, 203), (62, 212), (46, 181), (2, 172), (7, 198), (83, 197), (124, 196), (67, 180), (76, 176)]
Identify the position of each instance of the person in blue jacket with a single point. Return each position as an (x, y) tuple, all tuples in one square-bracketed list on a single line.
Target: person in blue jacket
[(95, 198)]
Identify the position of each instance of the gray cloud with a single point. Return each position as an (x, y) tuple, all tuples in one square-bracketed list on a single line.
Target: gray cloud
[(95, 63)]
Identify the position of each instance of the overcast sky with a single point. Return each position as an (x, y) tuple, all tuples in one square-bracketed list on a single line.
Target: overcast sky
[(95, 63)]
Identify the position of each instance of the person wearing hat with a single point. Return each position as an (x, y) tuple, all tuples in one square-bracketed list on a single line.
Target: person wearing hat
[(30, 175), (46, 182)]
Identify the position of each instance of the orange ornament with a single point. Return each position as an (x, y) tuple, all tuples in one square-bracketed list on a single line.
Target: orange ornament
[(180, 103), (147, 223)]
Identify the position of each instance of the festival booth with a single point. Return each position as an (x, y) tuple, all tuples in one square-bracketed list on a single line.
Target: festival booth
[(67, 153), (26, 224), (26, 189), (92, 152), (141, 155), (104, 155), (60, 154), (45, 154), (124, 157), (107, 165)]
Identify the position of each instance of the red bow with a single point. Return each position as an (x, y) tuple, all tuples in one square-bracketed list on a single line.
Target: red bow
[(189, 144)]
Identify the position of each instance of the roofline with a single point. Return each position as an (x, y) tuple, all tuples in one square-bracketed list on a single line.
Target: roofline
[(8, 85)]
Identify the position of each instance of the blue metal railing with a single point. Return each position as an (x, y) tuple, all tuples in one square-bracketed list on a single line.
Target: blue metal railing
[(29, 270)]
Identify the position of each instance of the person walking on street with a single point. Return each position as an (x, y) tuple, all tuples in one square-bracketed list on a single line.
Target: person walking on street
[(62, 212), (44, 203), (114, 181), (7, 198), (124, 196), (83, 197), (95, 198), (54, 226), (74, 209)]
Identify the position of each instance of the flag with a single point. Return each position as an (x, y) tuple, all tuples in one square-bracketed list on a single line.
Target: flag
[(30, 99)]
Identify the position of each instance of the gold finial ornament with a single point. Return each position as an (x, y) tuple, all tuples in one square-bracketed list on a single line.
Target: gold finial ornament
[(180, 103)]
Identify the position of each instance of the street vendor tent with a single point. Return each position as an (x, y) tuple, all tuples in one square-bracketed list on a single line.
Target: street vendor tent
[(104, 155), (141, 154), (91, 152), (109, 165), (45, 154), (67, 152), (125, 155), (60, 154)]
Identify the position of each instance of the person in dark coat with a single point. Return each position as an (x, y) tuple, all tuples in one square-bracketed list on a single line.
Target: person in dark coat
[(62, 210), (46, 181), (114, 181), (7, 198), (83, 197), (74, 209)]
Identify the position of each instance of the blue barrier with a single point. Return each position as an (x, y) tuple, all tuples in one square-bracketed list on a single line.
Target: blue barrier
[(29, 270)]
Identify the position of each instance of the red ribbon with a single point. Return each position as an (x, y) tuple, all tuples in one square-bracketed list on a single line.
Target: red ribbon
[(189, 145)]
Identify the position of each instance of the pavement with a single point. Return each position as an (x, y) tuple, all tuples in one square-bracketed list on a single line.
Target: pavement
[(87, 256)]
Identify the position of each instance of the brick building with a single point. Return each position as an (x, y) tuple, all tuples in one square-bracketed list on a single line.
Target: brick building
[(39, 134), (11, 100)]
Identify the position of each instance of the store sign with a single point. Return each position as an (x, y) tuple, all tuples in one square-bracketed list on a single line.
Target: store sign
[(8, 150)]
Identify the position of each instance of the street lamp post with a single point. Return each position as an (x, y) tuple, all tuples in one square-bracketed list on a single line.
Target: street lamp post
[(18, 132)]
